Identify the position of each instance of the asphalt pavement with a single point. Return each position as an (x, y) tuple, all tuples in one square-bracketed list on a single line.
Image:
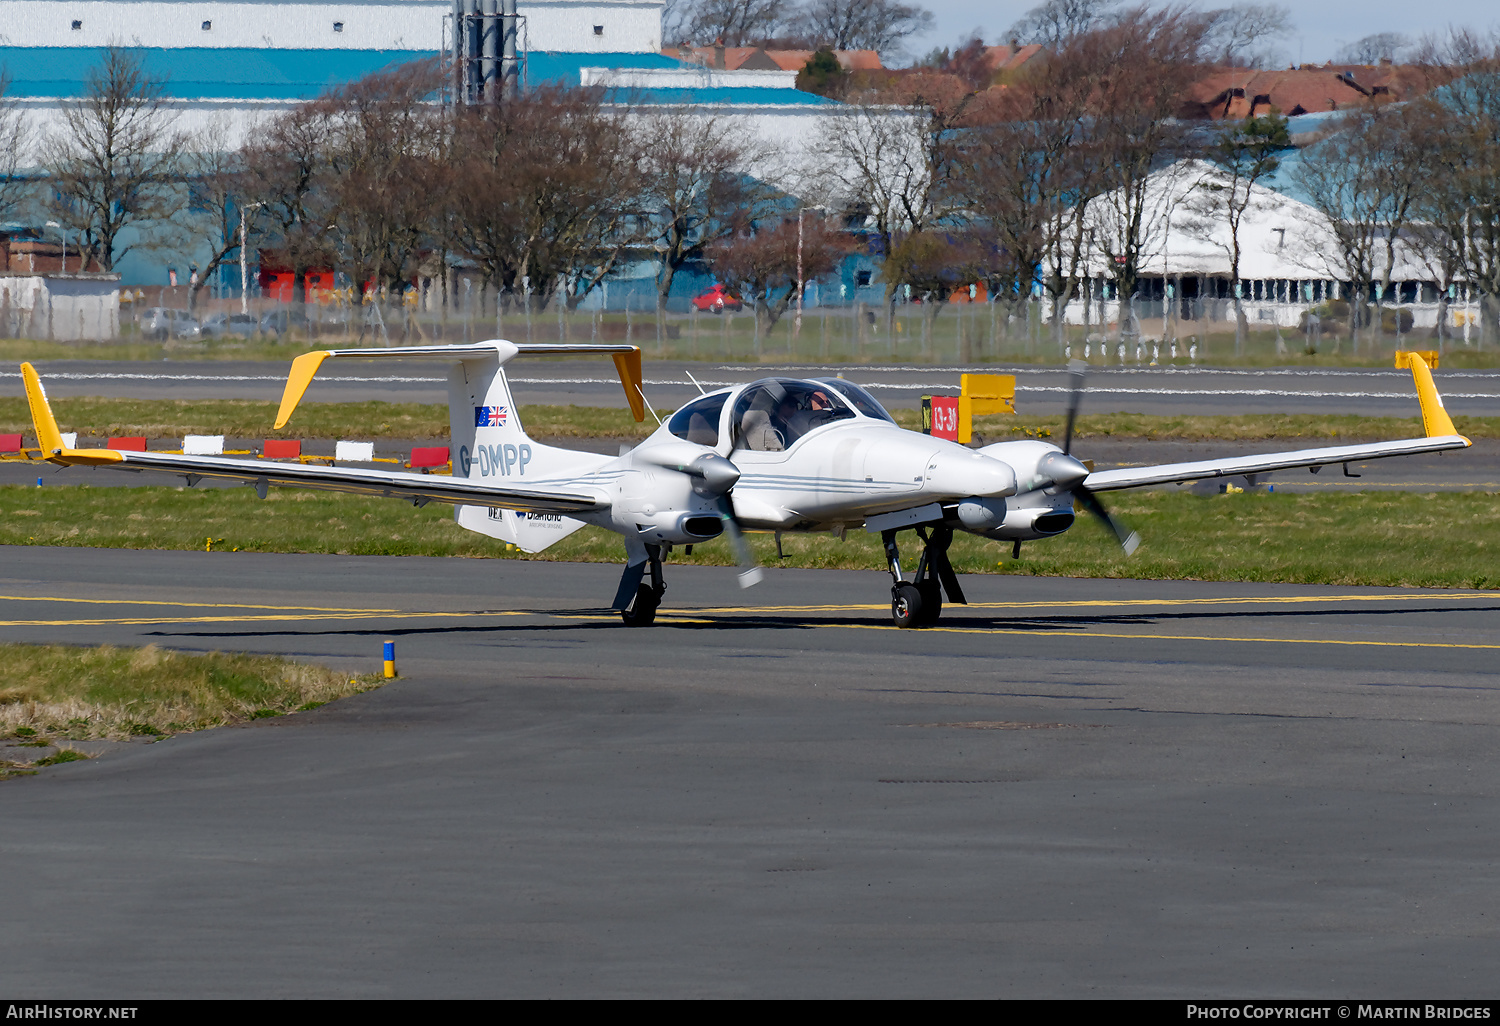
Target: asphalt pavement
[(1069, 788)]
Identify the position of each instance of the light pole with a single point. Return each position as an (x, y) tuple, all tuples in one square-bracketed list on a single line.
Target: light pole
[(64, 233), (244, 267)]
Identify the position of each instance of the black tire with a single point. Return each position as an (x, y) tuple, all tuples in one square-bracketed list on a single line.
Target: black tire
[(642, 612), (906, 605), (932, 601)]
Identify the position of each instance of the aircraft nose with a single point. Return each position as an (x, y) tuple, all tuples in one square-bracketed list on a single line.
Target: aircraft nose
[(969, 473), (1063, 471)]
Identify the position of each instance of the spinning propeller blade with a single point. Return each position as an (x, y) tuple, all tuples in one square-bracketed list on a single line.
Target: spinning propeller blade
[(750, 572), (1128, 539)]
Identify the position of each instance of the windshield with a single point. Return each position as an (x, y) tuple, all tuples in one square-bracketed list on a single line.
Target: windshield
[(771, 415), (698, 421), (860, 399)]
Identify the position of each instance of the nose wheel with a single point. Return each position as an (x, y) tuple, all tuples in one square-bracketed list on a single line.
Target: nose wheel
[(647, 596), (919, 602)]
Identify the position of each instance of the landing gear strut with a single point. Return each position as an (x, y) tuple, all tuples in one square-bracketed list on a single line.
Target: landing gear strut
[(919, 601), (642, 611)]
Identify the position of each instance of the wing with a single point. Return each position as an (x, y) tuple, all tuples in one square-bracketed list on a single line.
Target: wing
[(419, 489), (1441, 435)]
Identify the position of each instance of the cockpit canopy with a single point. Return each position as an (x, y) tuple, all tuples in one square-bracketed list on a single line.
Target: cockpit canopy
[(771, 414)]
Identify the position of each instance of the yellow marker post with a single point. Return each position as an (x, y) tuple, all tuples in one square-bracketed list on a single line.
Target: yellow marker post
[(981, 395), (390, 660)]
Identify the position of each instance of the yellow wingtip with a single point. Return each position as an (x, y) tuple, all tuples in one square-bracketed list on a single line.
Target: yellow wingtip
[(629, 367), (303, 369), (1435, 419), (48, 437)]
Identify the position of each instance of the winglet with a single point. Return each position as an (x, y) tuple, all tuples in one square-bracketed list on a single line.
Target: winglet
[(303, 369), (48, 436), (629, 367), (1435, 419)]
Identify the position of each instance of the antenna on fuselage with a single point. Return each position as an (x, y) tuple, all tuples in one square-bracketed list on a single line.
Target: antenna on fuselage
[(701, 389), (649, 410)]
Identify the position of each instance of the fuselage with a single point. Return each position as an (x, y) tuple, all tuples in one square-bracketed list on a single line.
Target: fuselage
[(816, 456)]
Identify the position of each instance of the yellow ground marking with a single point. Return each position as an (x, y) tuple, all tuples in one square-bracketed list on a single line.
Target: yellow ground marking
[(192, 605), (147, 620), (1022, 632), (1130, 603)]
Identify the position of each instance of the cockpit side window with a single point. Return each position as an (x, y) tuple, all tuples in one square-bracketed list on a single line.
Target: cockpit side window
[(698, 421), (860, 399), (771, 415)]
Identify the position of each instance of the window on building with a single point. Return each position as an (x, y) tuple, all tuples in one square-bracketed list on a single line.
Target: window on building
[(862, 279), (77, 25), (208, 26), (598, 30), (338, 26)]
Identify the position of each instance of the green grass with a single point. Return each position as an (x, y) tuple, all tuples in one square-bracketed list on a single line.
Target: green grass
[(1445, 539), (237, 418), (55, 692)]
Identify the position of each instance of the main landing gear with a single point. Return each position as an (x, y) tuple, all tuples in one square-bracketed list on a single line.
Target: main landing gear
[(647, 597), (919, 602)]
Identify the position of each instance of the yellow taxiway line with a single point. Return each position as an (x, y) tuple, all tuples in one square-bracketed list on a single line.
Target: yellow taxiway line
[(1268, 600)]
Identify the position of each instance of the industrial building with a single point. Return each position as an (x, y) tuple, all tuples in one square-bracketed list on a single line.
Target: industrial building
[(228, 65)]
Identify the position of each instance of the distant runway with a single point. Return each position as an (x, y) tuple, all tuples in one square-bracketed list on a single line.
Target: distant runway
[(1040, 390), (1070, 788)]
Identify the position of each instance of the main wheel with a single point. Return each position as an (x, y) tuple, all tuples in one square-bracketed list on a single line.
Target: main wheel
[(642, 612), (932, 601), (906, 605)]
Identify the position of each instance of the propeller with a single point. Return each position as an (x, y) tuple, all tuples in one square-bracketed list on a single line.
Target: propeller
[(1128, 539), (714, 477)]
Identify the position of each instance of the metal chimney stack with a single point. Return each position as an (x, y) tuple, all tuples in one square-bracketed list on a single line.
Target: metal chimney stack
[(487, 65)]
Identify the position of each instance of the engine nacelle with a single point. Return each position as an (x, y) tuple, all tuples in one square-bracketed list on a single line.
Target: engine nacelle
[(677, 527), (1020, 518)]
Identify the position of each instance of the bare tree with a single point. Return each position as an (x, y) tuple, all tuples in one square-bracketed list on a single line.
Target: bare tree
[(1152, 56), (1372, 49), (16, 138), (733, 22), (382, 153), (1056, 21), (115, 159), (286, 171), (889, 164), (881, 25), (542, 193), (1024, 168), (1245, 153), (1363, 176), (215, 197), (693, 189), (1460, 197), (762, 265), (1244, 34)]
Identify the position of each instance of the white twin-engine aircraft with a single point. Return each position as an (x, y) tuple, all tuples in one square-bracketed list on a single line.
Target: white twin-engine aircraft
[(778, 454)]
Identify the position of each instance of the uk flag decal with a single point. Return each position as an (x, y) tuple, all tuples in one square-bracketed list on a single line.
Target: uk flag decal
[(489, 416)]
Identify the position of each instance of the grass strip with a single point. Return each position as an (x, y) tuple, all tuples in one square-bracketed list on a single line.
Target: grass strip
[(371, 420), (50, 693), (1443, 540)]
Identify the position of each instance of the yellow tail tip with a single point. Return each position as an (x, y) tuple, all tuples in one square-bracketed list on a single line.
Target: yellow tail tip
[(48, 436)]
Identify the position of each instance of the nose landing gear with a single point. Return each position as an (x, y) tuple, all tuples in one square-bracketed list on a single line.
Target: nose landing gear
[(647, 597), (919, 602)]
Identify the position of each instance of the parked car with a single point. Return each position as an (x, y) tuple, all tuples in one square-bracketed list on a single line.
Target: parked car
[(225, 325), (280, 322), (717, 300), (162, 323)]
